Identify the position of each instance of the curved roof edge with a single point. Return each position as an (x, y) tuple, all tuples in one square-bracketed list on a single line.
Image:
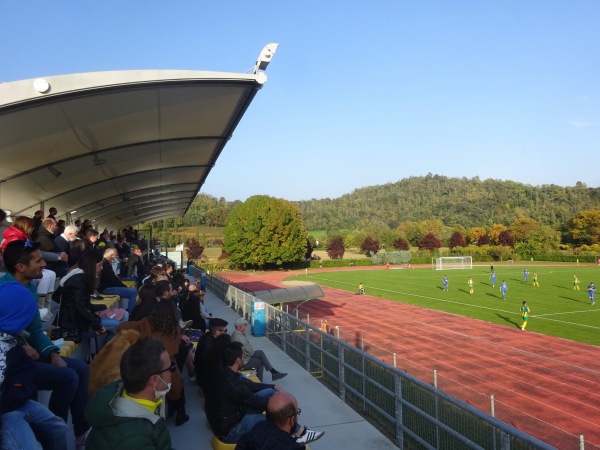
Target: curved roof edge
[(16, 92)]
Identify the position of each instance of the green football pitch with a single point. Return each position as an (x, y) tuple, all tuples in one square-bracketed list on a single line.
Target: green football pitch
[(556, 309)]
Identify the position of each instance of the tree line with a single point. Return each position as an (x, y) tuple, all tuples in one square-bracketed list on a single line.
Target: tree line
[(432, 211)]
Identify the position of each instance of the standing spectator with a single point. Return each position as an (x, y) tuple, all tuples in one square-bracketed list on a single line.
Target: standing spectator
[(52, 212), (37, 223), (63, 241)]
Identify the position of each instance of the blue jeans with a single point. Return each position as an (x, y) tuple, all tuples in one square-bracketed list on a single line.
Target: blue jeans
[(31, 425), (112, 324), (125, 293), (69, 386), (251, 418)]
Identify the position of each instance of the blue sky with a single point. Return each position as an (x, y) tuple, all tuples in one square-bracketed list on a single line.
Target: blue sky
[(359, 93)]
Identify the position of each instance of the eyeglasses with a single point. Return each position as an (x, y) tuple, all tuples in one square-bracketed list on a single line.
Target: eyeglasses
[(297, 413), (172, 368), (222, 330)]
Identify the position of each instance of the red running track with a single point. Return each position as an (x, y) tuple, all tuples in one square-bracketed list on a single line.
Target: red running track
[(546, 386)]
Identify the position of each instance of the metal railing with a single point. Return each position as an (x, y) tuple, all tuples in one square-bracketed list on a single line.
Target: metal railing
[(411, 412)]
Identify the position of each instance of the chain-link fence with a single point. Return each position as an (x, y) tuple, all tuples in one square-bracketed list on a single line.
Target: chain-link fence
[(393, 395)]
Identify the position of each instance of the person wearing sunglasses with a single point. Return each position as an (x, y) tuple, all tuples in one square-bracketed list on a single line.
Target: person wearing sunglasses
[(281, 429), (234, 404), (129, 413)]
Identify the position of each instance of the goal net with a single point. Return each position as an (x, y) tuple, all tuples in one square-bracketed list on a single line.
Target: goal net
[(453, 262)]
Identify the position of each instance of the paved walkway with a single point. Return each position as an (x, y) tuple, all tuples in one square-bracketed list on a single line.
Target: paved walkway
[(321, 409)]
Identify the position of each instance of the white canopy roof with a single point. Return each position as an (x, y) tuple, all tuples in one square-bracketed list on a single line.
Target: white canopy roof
[(117, 147)]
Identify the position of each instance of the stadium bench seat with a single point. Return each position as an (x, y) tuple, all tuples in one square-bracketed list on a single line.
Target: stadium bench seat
[(217, 444)]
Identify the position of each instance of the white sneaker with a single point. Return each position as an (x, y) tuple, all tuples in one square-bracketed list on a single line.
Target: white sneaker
[(309, 436), (43, 313), (49, 317), (185, 324)]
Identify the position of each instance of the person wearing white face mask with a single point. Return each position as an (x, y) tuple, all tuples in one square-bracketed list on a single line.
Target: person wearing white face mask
[(128, 413)]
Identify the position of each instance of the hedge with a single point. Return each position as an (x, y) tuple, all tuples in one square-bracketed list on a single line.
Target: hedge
[(341, 263)]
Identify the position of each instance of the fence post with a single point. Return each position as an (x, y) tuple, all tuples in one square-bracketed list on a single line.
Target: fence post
[(581, 442), (492, 406), (307, 348), (342, 372), (395, 360), (364, 376), (435, 378), (398, 411)]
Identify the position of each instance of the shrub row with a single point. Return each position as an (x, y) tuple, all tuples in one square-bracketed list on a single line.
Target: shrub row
[(341, 263)]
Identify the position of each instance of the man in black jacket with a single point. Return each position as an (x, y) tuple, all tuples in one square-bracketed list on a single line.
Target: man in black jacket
[(276, 431), (234, 404)]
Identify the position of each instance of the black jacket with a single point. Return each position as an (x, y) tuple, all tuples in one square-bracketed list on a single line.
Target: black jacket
[(76, 309), (46, 240), (62, 244), (228, 399), (190, 310), (108, 278), (267, 436)]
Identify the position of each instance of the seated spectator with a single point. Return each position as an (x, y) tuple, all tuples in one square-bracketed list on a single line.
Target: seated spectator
[(104, 368), (129, 414), (276, 432), (135, 265), (67, 378), (253, 359), (76, 309), (110, 283), (150, 295), (156, 273), (193, 308), (25, 423), (21, 230), (234, 404), (204, 347), (163, 324)]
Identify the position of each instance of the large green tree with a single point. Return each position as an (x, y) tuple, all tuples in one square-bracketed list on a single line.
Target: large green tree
[(265, 232), (585, 227)]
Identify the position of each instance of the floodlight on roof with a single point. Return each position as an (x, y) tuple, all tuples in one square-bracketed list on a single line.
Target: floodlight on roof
[(265, 57)]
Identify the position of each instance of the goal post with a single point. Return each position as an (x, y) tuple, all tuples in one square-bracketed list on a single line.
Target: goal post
[(453, 262)]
